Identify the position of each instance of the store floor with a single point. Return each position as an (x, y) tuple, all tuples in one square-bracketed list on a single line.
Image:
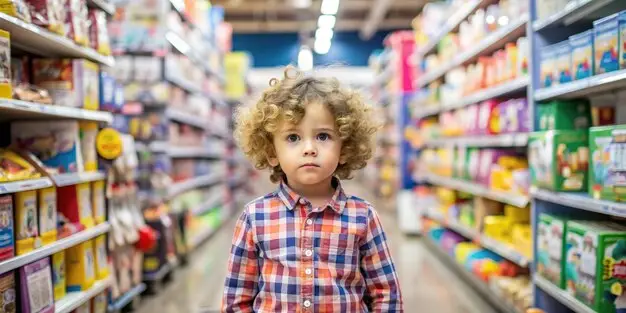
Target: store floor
[(427, 285)]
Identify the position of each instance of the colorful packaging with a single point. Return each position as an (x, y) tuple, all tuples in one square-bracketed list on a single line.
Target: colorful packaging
[(606, 44), (100, 253), (75, 204), (98, 201), (16, 8), (595, 263), (55, 143), (6, 89), (26, 226), (36, 287), (77, 22), (81, 267), (547, 67), (606, 174), (7, 249), (98, 32), (8, 293), (47, 215), (88, 134), (582, 55), (551, 248), (523, 51), (563, 62), (59, 280), (514, 116), (559, 159), (70, 82), (564, 115), (49, 14), (487, 116), (14, 167), (622, 40)]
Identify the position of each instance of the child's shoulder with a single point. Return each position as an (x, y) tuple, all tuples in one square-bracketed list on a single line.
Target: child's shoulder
[(263, 202)]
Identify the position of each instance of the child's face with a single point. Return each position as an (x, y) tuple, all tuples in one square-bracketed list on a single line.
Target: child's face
[(308, 152)]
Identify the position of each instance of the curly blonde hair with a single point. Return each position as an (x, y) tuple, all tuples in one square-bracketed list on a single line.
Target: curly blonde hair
[(286, 100)]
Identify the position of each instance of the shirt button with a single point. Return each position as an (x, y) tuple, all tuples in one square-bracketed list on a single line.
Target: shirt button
[(309, 222), (308, 271), (307, 303), (302, 201), (308, 253)]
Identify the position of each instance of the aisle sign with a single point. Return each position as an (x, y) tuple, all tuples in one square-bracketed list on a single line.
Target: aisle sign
[(109, 143)]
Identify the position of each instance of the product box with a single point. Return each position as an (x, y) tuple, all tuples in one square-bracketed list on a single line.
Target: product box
[(622, 38), (607, 44), (26, 226), (70, 82), (55, 143), (559, 159), (547, 67), (608, 165), (100, 253), (74, 202), (487, 114), (98, 32), (564, 115), (551, 248), (76, 20), (563, 62), (81, 266), (59, 281), (514, 116), (595, 263), (98, 201), (582, 55), (6, 90), (88, 134), (47, 214), (49, 14), (36, 287), (7, 243), (8, 293), (107, 93)]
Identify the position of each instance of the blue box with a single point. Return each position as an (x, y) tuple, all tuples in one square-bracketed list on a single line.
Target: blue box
[(547, 67), (622, 40), (582, 55), (563, 68), (606, 44)]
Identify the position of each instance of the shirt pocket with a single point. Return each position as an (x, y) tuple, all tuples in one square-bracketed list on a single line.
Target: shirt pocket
[(339, 248)]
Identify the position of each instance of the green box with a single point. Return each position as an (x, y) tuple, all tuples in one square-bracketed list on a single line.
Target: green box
[(607, 173), (564, 115), (595, 265), (550, 248), (559, 159)]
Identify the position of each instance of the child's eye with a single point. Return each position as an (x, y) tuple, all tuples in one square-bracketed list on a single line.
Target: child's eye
[(292, 138), (323, 136)]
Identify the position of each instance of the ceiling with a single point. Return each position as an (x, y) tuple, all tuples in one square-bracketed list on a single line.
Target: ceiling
[(274, 16)]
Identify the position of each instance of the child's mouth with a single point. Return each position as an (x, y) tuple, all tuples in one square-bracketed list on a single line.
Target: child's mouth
[(309, 165)]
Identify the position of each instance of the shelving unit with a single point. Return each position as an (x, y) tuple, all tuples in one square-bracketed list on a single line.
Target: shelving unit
[(16, 109), (504, 140), (126, 299), (73, 300), (581, 201), (478, 190), (24, 185), (584, 87), (573, 12), (68, 179), (561, 295)]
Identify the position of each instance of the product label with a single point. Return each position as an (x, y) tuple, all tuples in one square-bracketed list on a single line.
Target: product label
[(39, 286), (47, 211), (89, 265), (85, 201)]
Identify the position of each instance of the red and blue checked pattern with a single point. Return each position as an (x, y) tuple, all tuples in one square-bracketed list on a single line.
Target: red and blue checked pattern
[(290, 257)]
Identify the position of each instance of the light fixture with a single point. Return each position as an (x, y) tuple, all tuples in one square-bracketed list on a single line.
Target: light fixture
[(322, 45), (305, 58), (330, 7), (324, 33), (326, 21)]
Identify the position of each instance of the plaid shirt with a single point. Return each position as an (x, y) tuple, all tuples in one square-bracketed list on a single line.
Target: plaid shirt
[(290, 257)]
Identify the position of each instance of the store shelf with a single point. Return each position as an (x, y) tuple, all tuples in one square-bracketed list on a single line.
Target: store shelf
[(211, 203), (73, 300), (493, 245), (489, 44), (54, 247), (584, 87), (183, 83), (561, 295), (580, 201), (504, 140), (121, 302), (40, 41), (573, 12), (187, 118), (68, 179), (193, 183), (25, 185), (478, 190), (452, 24), (508, 88), (478, 285), (103, 5), (182, 152), (16, 109)]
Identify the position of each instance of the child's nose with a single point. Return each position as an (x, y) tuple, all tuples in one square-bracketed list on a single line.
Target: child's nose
[(310, 149)]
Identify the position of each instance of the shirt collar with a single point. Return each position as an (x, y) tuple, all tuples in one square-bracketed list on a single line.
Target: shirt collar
[(290, 198)]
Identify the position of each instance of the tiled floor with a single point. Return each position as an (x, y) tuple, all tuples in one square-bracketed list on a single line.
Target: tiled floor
[(427, 285)]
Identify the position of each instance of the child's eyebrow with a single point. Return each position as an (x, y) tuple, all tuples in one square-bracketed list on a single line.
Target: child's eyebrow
[(328, 129)]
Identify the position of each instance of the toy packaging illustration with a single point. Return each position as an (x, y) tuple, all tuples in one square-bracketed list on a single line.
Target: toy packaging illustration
[(80, 265), (595, 265), (59, 275), (70, 82), (47, 215), (26, 225), (7, 242), (8, 293), (56, 143), (559, 160), (582, 55), (36, 287), (607, 174), (606, 43), (550, 248)]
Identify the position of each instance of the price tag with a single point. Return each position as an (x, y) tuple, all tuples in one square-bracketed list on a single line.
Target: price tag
[(109, 143)]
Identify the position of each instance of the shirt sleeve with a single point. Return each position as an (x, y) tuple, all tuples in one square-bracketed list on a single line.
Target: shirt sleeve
[(383, 290), (241, 285)]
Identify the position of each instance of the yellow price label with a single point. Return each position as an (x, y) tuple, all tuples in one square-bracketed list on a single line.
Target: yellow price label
[(109, 143)]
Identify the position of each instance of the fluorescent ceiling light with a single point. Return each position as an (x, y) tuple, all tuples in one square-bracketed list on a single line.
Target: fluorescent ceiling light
[(301, 4), (324, 33), (330, 7), (326, 21), (322, 45), (305, 59)]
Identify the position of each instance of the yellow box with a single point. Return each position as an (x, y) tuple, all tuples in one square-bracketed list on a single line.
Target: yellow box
[(88, 134), (26, 229), (100, 251), (59, 281), (47, 215), (98, 201), (84, 204), (517, 214), (522, 239), (81, 267), (6, 90), (497, 227)]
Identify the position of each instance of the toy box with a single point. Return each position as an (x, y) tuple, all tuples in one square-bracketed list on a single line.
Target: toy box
[(7, 249), (98, 201), (76, 20), (88, 134), (74, 202), (80, 265), (36, 287), (487, 114), (582, 55), (547, 67), (107, 93), (70, 82), (606, 173), (559, 159), (6, 90), (100, 253), (563, 62), (49, 14), (622, 40), (551, 248), (607, 44), (47, 215), (26, 226), (514, 116), (8, 293), (595, 263), (98, 32), (564, 115), (59, 282), (55, 143)]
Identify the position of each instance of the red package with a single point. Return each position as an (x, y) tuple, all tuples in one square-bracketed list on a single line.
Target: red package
[(98, 32), (76, 21), (49, 14)]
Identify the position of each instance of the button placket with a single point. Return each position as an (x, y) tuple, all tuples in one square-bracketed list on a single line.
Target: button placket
[(307, 262)]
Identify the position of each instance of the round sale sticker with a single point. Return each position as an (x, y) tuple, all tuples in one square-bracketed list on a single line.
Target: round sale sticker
[(109, 143)]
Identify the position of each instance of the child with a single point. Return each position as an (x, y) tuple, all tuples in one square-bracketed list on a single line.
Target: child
[(308, 246)]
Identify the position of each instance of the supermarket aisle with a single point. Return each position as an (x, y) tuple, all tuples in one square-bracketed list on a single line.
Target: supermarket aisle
[(426, 284)]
